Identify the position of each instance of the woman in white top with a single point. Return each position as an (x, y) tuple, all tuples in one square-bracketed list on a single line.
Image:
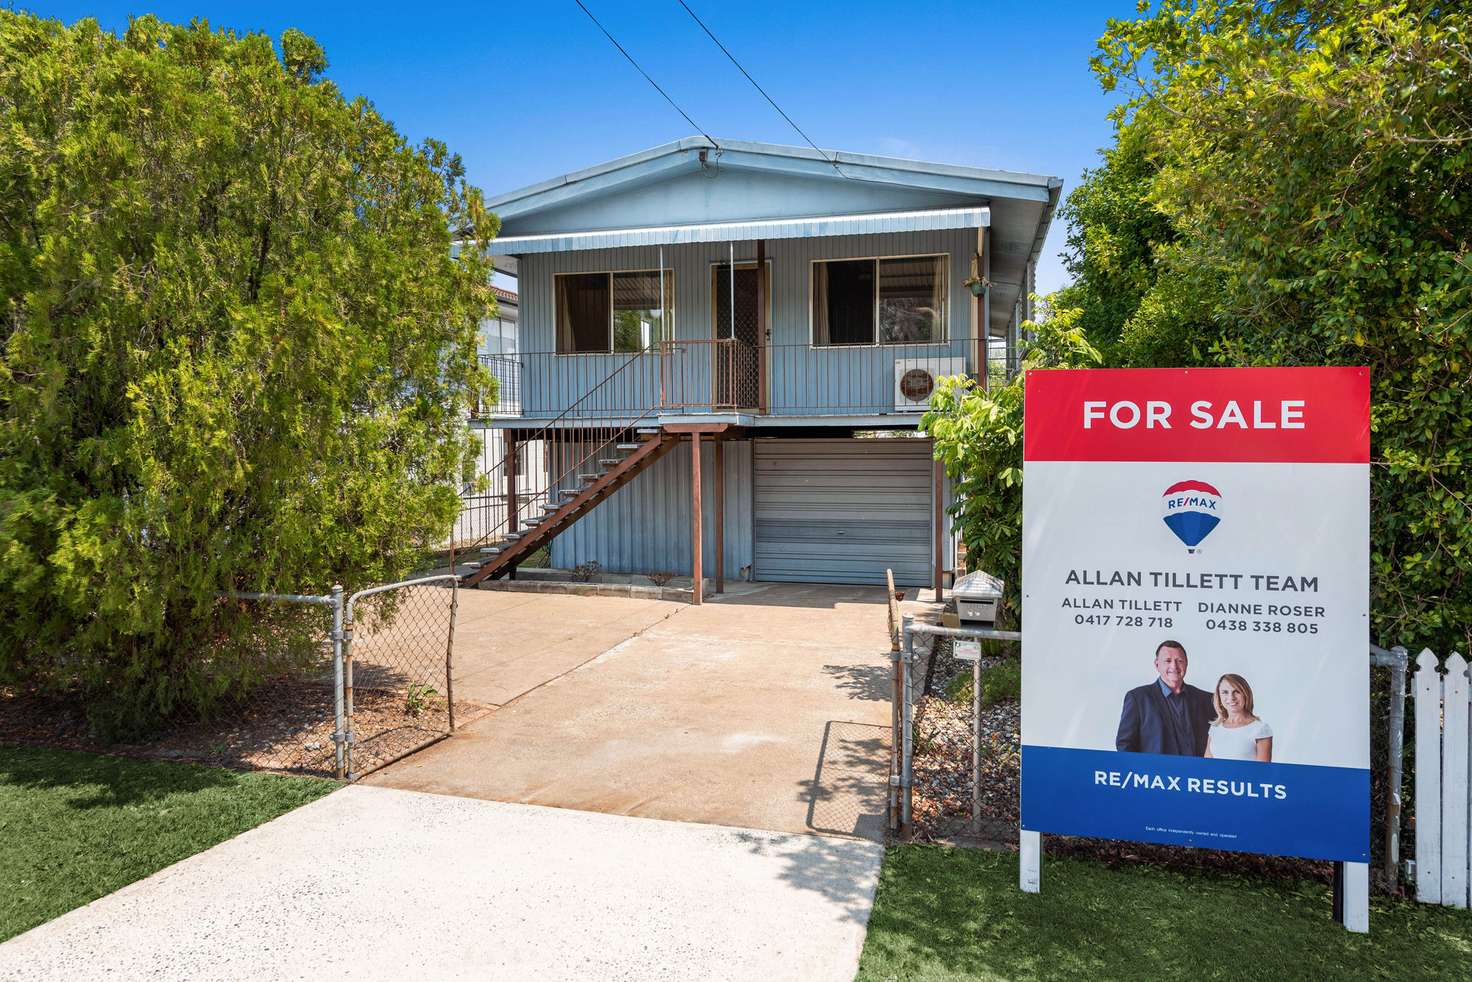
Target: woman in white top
[(1237, 734)]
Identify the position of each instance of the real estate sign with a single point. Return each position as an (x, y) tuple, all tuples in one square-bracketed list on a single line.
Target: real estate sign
[(1195, 608)]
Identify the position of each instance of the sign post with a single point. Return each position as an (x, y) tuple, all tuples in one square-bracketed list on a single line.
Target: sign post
[(1195, 613)]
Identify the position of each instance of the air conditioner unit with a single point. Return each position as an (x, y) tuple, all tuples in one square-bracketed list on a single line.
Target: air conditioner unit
[(914, 380)]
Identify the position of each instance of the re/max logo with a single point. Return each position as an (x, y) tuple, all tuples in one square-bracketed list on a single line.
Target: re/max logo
[(1190, 501)]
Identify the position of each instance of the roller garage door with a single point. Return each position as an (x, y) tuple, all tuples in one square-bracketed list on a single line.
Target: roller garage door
[(842, 511)]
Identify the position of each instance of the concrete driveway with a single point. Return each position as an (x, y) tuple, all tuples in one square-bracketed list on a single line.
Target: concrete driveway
[(767, 708), (372, 883), (507, 644)]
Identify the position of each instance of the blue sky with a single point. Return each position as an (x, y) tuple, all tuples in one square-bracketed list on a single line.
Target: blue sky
[(532, 90)]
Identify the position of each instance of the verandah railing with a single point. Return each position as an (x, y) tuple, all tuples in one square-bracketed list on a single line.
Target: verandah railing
[(616, 394), (722, 375)]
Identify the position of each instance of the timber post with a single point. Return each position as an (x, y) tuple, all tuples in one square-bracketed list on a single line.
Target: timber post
[(720, 517), (697, 564)]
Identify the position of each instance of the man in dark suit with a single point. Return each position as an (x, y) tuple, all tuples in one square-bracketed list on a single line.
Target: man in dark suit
[(1166, 716)]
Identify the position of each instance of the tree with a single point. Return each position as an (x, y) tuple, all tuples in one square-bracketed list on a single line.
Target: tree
[(236, 350), (1314, 160), (1115, 237), (1291, 184)]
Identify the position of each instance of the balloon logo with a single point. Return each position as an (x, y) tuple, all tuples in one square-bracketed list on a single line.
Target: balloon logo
[(1192, 510)]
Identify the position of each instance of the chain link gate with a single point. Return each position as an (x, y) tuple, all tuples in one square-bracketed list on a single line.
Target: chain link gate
[(398, 665), (909, 684)]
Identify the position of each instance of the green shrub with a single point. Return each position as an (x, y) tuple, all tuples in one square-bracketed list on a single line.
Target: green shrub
[(1001, 682), (236, 353), (978, 435)]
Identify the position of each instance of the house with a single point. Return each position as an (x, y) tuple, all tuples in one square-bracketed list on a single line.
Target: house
[(482, 509), (724, 351)]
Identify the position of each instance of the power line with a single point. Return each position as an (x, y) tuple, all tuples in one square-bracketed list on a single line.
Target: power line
[(651, 81), (727, 53)]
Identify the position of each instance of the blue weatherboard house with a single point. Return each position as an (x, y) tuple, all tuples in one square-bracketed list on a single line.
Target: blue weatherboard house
[(724, 350)]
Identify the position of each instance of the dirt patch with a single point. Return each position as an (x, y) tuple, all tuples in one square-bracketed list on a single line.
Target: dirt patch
[(286, 725)]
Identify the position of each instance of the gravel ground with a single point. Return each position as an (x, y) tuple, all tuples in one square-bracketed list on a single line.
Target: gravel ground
[(942, 766), (942, 769)]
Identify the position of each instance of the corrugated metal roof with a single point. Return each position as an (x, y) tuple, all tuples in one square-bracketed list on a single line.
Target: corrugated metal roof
[(783, 228), (753, 153)]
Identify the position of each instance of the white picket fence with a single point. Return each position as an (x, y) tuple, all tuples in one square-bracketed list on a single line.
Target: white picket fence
[(1443, 780)]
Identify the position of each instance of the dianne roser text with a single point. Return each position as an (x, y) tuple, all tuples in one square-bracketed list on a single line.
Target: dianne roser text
[(1172, 580), (1132, 605)]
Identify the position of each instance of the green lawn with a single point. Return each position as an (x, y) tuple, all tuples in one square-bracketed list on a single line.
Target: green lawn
[(957, 914), (74, 827)]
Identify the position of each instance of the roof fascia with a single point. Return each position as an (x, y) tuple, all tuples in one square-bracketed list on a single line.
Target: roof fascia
[(871, 173), (559, 190), (895, 163)]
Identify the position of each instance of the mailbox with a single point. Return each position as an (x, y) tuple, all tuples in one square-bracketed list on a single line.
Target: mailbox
[(978, 596)]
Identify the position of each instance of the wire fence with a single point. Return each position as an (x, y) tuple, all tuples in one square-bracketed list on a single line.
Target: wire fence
[(288, 715), (960, 752), (399, 670), (340, 685)]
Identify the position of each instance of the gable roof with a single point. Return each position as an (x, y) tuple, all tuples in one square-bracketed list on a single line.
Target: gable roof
[(869, 168), (698, 184)]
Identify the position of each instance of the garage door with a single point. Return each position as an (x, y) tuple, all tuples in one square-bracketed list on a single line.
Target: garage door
[(842, 511)]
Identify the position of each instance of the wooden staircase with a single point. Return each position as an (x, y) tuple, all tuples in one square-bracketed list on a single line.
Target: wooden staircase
[(624, 462)]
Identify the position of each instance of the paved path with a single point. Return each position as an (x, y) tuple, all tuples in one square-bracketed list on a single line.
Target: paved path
[(768, 708), (373, 883)]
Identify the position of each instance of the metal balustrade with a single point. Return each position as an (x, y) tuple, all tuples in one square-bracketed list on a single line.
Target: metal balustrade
[(724, 375)]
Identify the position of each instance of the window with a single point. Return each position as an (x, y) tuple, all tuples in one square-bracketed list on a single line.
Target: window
[(879, 301), (612, 312), (497, 336)]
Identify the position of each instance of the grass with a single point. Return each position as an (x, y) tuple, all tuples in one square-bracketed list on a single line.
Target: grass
[(1001, 682), (75, 826), (957, 914)]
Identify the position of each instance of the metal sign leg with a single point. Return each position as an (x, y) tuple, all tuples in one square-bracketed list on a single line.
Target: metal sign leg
[(1030, 861)]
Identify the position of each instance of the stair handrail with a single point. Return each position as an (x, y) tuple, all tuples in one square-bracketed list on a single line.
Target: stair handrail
[(541, 435)]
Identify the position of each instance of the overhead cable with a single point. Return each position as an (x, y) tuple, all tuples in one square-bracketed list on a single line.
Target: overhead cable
[(724, 50), (614, 41)]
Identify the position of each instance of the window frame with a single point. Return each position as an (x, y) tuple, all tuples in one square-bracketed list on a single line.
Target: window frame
[(945, 320), (610, 274)]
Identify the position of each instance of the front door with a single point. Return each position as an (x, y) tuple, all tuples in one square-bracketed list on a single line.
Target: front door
[(737, 367)]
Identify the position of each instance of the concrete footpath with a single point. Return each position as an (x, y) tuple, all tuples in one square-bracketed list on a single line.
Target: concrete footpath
[(377, 883)]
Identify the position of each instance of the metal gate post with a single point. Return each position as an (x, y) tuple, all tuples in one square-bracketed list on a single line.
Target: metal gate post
[(347, 659), (1397, 763), (450, 654), (976, 744), (338, 735)]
